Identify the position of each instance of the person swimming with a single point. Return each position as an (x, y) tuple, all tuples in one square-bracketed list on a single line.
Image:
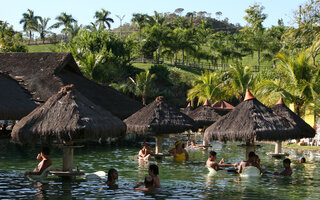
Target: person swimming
[(153, 172), (149, 185), (211, 162), (302, 160), (44, 163), (287, 171), (193, 145), (112, 178), (179, 153)]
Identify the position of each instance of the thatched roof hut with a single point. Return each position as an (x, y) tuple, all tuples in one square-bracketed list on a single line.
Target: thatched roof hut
[(15, 101), (305, 130), (188, 109), (250, 121), (222, 107), (67, 116), (160, 118), (204, 115), (44, 74)]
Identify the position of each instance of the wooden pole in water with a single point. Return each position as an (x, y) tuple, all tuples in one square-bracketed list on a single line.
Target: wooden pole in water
[(159, 141), (278, 147), (249, 147), (67, 158)]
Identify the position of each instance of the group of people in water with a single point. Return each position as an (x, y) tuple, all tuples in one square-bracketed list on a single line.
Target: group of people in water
[(152, 181)]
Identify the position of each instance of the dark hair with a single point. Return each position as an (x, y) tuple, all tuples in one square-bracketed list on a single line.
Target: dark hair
[(212, 153), (110, 174), (303, 160), (252, 154), (154, 168), (148, 183), (287, 160), (45, 151)]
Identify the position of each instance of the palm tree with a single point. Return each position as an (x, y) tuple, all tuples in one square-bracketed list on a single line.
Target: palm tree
[(102, 19), (30, 22), (143, 85), (208, 86), (42, 28), (6, 30), (140, 19), (240, 78), (64, 20), (74, 29), (298, 81)]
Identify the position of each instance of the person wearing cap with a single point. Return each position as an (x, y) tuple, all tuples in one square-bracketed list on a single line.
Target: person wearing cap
[(179, 153), (44, 163)]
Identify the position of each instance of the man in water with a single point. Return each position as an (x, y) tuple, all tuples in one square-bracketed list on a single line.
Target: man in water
[(302, 160), (250, 162), (211, 162), (149, 185), (287, 171), (44, 163)]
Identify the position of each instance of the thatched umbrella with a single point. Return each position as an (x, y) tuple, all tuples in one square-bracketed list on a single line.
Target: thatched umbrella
[(158, 118), (43, 74), (303, 130), (250, 121), (15, 101), (188, 109), (67, 117), (222, 107), (204, 115)]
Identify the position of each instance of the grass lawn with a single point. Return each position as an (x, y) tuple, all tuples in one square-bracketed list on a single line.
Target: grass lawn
[(297, 146), (42, 48)]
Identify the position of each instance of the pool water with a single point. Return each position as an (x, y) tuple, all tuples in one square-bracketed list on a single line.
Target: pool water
[(190, 180)]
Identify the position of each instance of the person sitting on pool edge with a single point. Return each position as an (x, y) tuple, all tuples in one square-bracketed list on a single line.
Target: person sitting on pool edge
[(287, 171), (211, 162), (112, 178), (149, 185), (44, 163), (250, 162), (179, 153)]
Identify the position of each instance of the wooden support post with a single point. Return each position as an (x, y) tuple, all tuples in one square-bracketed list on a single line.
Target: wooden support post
[(159, 141), (249, 147), (278, 146), (67, 158)]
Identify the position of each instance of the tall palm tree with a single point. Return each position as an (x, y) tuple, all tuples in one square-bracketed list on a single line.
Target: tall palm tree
[(74, 29), (102, 19), (208, 86), (143, 85), (141, 20), (64, 20), (30, 22), (6, 30), (42, 28)]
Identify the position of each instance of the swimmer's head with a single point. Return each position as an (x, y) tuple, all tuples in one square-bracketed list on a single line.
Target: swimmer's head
[(302, 160), (177, 143)]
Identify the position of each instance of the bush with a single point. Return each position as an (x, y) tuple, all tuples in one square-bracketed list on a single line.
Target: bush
[(162, 74)]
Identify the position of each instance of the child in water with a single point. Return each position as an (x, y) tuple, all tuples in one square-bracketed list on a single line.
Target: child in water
[(287, 171), (112, 178)]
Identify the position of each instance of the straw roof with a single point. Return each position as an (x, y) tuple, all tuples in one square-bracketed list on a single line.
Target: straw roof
[(15, 101), (204, 115), (160, 118), (45, 73), (222, 105), (305, 130), (250, 121), (67, 116), (188, 109)]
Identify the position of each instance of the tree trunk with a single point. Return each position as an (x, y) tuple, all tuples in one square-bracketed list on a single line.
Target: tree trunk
[(144, 99), (297, 109), (182, 56), (158, 54), (175, 57), (258, 60)]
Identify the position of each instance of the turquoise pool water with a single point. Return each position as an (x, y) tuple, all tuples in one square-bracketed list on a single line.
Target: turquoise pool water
[(190, 180)]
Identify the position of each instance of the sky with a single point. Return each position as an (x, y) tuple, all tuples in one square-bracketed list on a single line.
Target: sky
[(83, 10)]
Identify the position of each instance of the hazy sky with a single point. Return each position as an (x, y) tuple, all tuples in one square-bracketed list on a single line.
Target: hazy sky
[(83, 10)]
